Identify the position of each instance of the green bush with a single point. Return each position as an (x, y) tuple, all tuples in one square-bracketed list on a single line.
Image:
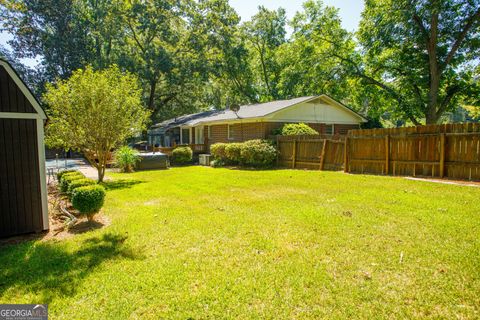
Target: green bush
[(89, 200), (217, 163), (258, 153), (61, 173), (126, 158), (182, 155), (68, 178), (218, 151), (233, 153), (297, 129), (79, 183)]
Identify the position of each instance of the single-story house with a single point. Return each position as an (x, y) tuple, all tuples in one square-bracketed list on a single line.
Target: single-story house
[(23, 188), (256, 121)]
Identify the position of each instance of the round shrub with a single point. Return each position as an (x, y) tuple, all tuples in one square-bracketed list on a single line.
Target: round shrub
[(68, 178), (258, 153), (126, 158), (218, 151), (62, 172), (182, 155), (88, 200), (233, 153), (79, 183), (297, 129)]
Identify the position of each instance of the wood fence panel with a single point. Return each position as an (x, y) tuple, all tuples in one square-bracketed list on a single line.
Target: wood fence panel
[(450, 150)]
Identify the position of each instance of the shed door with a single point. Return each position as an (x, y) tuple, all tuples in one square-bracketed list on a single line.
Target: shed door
[(20, 195)]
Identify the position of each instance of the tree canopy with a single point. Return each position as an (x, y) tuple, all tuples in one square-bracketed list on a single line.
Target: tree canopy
[(94, 112), (411, 61)]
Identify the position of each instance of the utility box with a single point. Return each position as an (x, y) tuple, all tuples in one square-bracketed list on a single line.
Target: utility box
[(204, 159)]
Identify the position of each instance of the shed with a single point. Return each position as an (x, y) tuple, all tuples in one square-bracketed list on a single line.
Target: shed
[(23, 188)]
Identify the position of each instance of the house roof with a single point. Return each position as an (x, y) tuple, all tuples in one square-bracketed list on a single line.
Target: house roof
[(245, 112), (23, 87)]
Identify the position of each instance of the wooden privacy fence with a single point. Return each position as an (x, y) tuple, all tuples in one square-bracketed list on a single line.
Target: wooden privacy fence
[(321, 152), (450, 150)]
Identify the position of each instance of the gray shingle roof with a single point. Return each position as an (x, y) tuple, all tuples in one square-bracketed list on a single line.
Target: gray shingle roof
[(245, 112)]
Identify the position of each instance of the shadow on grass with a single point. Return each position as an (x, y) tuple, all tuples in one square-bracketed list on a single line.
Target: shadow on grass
[(85, 226), (120, 184), (49, 269)]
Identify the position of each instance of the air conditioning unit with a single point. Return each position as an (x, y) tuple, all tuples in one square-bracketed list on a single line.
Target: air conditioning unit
[(204, 159)]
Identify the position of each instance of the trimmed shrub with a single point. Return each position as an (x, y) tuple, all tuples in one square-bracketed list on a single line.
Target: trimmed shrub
[(68, 178), (89, 200), (61, 173), (79, 183), (126, 158), (182, 155), (218, 151), (233, 153), (258, 153), (297, 129)]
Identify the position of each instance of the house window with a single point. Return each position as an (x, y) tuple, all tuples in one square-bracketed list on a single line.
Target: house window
[(329, 129), (185, 136), (230, 132), (209, 132)]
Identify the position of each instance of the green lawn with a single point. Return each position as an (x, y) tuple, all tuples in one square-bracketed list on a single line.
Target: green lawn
[(217, 243)]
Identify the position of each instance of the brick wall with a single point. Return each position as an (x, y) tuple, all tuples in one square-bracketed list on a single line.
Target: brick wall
[(261, 130)]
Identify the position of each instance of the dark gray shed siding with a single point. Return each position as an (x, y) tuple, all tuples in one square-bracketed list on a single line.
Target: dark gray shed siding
[(20, 194), (12, 98), (23, 197)]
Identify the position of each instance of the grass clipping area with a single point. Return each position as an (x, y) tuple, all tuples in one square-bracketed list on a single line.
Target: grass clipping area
[(200, 243)]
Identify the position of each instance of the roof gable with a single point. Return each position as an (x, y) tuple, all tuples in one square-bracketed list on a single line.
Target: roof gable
[(15, 96)]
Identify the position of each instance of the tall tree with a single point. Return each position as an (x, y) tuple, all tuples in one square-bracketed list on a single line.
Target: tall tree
[(265, 34), (420, 52), (309, 66), (50, 29)]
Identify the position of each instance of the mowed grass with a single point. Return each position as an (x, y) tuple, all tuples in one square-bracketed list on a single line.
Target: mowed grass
[(204, 243)]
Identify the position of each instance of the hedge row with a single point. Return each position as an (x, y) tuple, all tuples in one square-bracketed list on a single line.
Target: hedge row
[(254, 153), (84, 193)]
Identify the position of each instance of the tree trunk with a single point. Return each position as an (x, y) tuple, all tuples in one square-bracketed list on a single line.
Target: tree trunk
[(151, 98), (101, 172)]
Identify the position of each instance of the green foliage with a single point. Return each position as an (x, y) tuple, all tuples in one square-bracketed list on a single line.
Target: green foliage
[(62, 172), (68, 178), (74, 184), (182, 155), (233, 153), (218, 151), (92, 109), (126, 158), (297, 129), (258, 153), (217, 163), (255, 153), (89, 199)]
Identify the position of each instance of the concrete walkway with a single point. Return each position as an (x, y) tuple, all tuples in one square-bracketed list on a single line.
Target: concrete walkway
[(79, 164)]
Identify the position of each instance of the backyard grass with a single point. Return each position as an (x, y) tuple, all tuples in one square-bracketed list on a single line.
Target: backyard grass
[(203, 243)]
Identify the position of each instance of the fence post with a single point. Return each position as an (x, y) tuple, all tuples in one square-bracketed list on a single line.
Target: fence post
[(294, 155), (442, 155), (345, 156), (387, 153), (322, 156)]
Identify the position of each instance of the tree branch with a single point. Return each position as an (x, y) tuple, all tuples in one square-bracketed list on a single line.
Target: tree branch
[(470, 22)]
